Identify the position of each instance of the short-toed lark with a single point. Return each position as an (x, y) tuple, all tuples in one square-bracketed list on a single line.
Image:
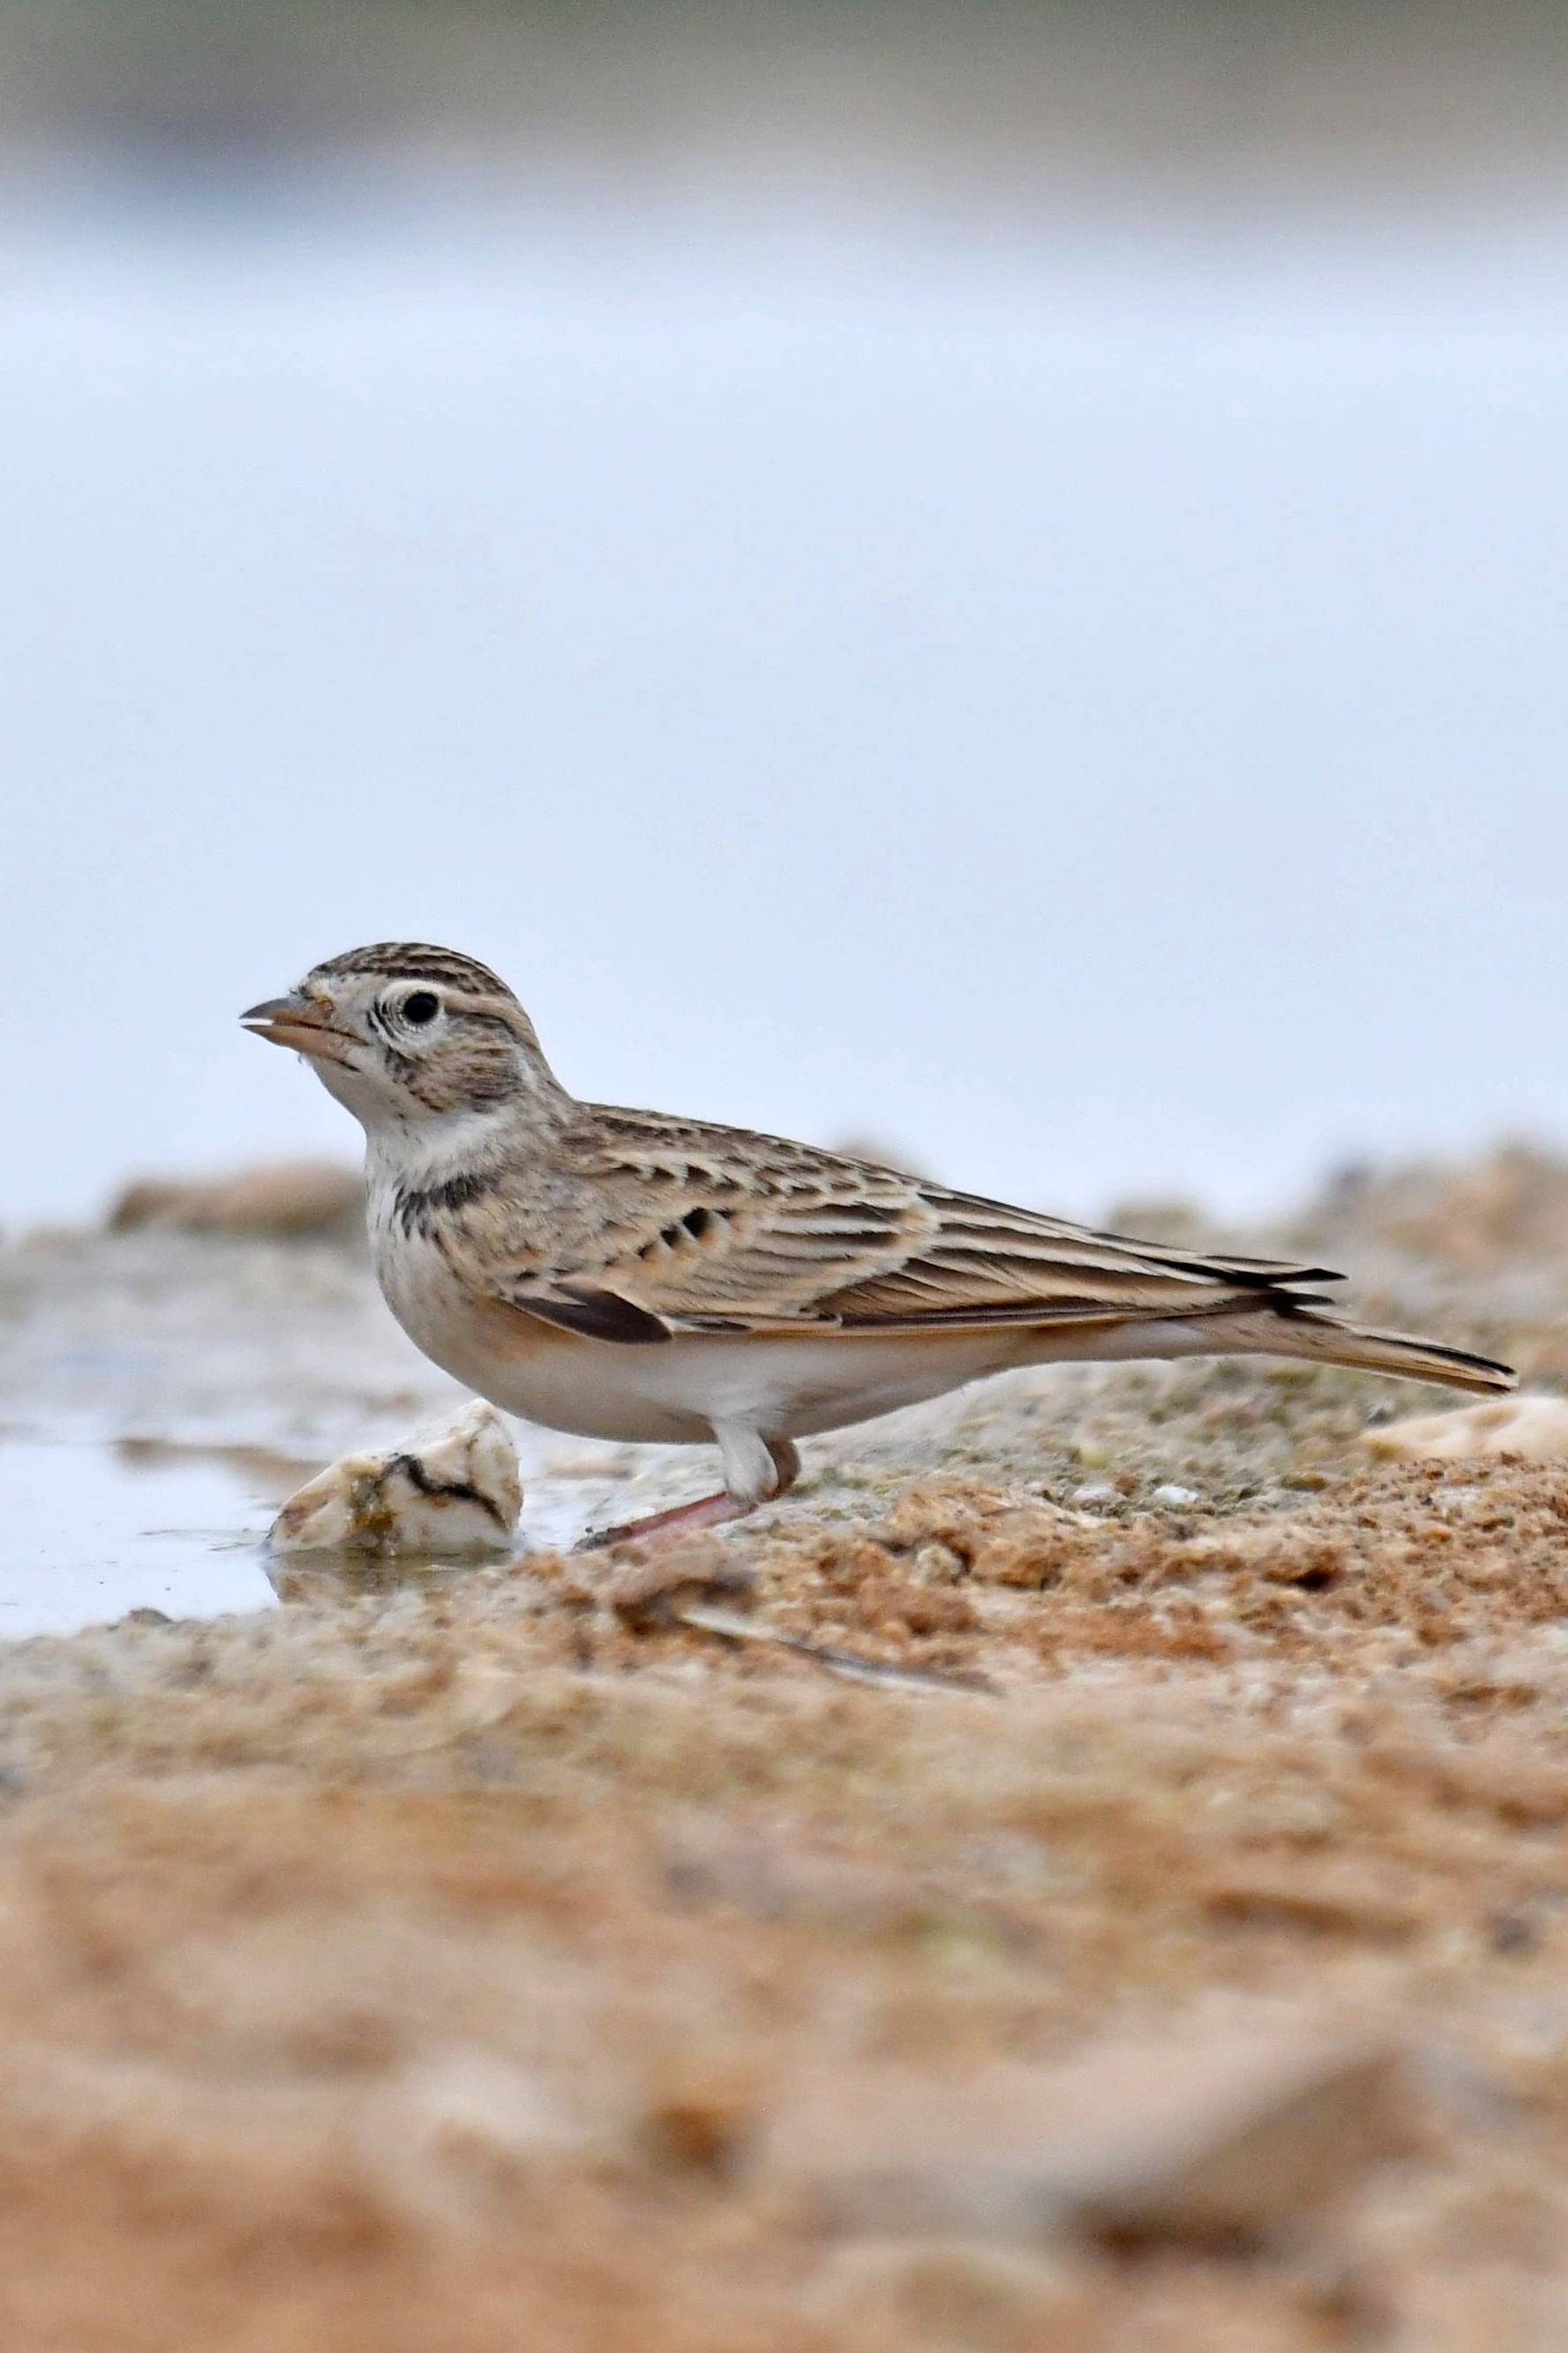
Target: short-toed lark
[(628, 1275)]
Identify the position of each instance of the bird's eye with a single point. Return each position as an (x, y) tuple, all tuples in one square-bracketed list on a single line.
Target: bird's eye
[(421, 1007)]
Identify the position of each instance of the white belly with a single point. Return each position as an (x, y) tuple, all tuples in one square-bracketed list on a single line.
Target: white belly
[(789, 1387)]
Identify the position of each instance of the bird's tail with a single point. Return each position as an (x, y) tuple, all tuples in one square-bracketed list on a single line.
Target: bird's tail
[(1310, 1331)]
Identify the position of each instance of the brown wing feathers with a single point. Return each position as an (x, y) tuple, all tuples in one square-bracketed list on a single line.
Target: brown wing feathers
[(720, 1231), (990, 1263)]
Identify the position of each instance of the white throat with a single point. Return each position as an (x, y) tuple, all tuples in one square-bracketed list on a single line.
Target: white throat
[(431, 1151)]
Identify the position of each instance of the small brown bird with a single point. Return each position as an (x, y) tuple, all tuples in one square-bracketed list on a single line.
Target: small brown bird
[(627, 1275)]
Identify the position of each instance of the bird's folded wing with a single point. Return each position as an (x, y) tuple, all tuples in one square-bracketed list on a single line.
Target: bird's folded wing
[(706, 1230)]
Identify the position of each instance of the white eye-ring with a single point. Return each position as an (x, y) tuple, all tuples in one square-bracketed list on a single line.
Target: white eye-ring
[(419, 1008)]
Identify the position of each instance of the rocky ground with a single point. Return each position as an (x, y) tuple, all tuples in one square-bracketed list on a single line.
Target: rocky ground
[(1090, 1870)]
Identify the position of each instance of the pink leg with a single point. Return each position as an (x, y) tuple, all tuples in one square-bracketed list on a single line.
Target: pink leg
[(707, 1512)]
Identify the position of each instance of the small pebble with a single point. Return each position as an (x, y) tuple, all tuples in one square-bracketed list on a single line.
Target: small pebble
[(452, 1489), (1170, 1494)]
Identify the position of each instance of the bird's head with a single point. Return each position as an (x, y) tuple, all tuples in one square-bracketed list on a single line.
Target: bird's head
[(407, 1036)]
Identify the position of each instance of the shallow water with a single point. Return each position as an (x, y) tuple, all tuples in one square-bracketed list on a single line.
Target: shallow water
[(92, 1532)]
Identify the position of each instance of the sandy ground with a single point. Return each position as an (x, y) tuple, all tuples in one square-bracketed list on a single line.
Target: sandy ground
[(448, 1965)]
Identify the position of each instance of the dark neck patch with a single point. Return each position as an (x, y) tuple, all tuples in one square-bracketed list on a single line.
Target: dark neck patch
[(418, 1206)]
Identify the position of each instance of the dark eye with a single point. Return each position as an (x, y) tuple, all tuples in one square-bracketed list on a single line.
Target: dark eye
[(422, 1005)]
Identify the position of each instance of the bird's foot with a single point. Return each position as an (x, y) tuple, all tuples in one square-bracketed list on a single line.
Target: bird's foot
[(759, 1471), (706, 1512)]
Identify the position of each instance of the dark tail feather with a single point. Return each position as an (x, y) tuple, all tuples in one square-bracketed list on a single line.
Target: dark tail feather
[(1328, 1342)]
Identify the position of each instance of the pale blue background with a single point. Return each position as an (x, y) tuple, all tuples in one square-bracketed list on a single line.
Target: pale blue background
[(1083, 700)]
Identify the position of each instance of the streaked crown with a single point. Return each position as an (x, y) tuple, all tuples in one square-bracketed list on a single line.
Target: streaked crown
[(414, 960)]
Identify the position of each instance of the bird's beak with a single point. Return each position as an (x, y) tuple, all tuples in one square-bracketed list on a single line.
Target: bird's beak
[(298, 1022)]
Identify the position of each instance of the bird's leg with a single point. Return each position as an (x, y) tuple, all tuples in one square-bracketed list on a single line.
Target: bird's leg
[(756, 1470), (705, 1512)]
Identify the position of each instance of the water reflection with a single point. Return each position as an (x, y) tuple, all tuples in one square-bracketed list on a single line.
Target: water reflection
[(327, 1578)]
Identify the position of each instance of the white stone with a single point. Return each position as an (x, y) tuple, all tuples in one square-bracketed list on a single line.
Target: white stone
[(1535, 1428), (452, 1489)]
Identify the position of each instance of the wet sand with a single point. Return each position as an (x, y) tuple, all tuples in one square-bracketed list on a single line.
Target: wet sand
[(441, 1963)]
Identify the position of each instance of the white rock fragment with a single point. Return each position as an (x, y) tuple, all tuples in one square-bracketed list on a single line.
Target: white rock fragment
[(1171, 1493), (451, 1489), (1535, 1428)]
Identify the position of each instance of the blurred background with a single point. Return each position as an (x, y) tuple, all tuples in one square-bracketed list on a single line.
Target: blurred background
[(993, 578)]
